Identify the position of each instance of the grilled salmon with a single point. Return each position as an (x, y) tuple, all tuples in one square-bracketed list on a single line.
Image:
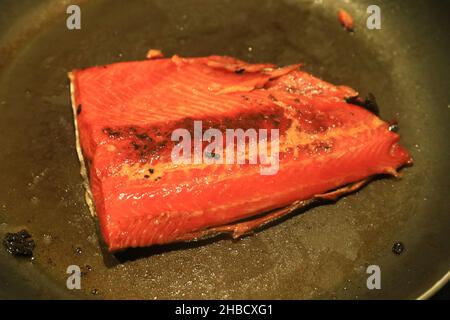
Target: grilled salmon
[(126, 114)]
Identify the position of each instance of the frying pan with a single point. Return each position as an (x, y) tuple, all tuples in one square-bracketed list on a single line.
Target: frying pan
[(322, 252)]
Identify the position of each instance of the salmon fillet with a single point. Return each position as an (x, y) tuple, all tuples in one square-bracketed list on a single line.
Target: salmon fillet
[(125, 114)]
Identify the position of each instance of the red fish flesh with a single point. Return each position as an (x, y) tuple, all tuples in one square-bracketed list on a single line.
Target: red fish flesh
[(346, 20), (126, 112)]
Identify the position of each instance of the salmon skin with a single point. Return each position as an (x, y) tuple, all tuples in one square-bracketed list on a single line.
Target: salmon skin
[(125, 114)]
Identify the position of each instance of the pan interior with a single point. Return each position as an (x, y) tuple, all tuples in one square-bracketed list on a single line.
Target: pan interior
[(321, 253)]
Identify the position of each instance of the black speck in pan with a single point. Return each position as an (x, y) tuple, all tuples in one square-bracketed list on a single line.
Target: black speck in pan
[(19, 244), (398, 248)]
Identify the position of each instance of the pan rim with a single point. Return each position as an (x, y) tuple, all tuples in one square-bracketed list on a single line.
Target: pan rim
[(435, 287)]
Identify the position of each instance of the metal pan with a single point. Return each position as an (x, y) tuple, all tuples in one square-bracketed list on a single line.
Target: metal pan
[(323, 252)]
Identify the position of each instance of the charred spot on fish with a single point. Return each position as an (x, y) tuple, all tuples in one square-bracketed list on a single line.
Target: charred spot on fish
[(151, 170), (78, 109), (135, 145), (272, 98), (19, 244), (132, 130), (144, 136), (357, 101), (239, 71), (316, 147), (273, 118), (369, 103), (146, 176), (112, 133), (145, 146), (398, 248), (291, 89)]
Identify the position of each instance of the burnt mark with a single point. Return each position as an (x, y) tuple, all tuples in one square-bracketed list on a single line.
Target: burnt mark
[(272, 98), (78, 109), (398, 248), (135, 145), (19, 244), (144, 137), (114, 134), (95, 291), (317, 147), (141, 144), (132, 130), (369, 103), (239, 71)]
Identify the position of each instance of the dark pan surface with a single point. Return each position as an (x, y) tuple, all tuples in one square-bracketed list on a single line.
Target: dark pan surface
[(321, 253)]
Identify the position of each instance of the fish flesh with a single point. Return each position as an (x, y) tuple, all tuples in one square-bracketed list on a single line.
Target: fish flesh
[(125, 116), (346, 20)]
